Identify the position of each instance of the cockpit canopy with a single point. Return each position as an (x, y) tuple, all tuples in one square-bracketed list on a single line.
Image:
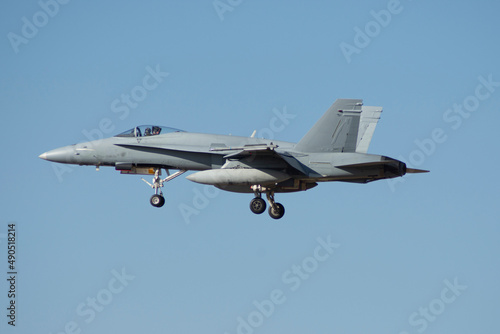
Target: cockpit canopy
[(147, 130)]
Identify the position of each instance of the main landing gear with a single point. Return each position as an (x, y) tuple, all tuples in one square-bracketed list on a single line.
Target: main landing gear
[(258, 205), (157, 200)]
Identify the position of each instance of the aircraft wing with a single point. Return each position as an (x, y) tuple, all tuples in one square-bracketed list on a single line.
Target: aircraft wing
[(263, 156), (247, 151), (253, 156)]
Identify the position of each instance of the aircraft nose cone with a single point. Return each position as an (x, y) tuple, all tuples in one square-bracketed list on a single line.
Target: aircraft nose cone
[(62, 155)]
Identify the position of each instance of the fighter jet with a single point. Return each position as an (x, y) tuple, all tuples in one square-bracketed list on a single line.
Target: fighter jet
[(334, 149)]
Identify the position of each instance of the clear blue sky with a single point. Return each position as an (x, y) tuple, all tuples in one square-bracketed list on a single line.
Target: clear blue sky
[(95, 257)]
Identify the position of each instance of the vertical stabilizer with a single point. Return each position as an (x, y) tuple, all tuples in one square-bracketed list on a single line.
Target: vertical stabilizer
[(336, 131), (368, 122)]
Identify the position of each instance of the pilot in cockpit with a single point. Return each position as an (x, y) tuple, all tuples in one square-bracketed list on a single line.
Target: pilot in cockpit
[(156, 130)]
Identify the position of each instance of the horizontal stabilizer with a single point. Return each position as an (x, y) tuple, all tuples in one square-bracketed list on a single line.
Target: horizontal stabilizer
[(368, 164)]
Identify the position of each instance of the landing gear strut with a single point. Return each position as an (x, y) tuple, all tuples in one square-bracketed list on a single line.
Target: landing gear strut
[(258, 205), (157, 200), (276, 210)]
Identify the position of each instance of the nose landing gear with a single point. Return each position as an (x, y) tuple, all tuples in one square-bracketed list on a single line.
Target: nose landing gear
[(157, 200)]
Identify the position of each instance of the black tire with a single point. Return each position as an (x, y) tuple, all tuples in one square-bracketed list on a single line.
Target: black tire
[(157, 201), (278, 213), (257, 205)]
